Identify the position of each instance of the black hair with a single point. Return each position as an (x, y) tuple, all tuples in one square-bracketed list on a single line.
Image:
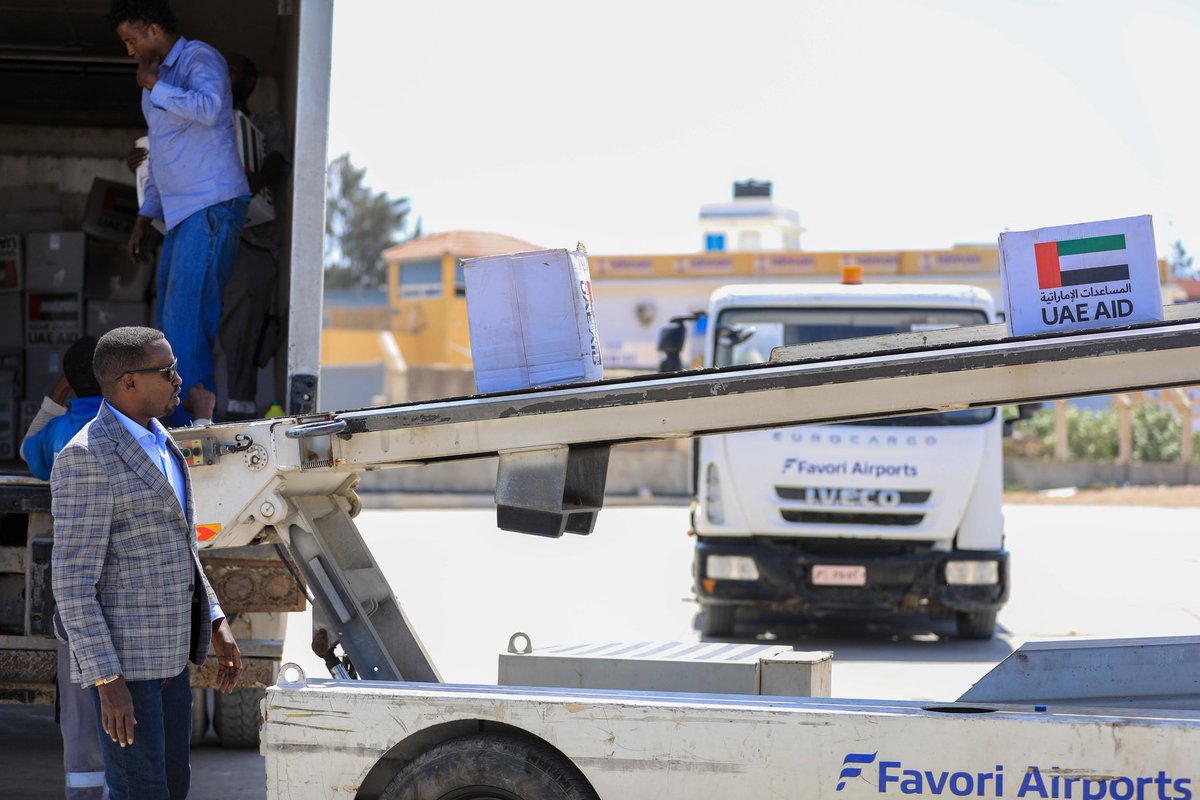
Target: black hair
[(121, 350), (77, 366), (147, 12)]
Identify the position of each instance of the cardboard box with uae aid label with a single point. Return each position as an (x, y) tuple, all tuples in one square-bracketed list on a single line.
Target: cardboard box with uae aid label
[(111, 211), (531, 319), (1080, 277), (52, 319)]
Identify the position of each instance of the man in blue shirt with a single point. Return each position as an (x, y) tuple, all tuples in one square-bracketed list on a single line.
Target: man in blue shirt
[(57, 421), (197, 184)]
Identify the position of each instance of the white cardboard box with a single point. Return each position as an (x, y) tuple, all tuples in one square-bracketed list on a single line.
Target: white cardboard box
[(12, 315), (111, 275), (8, 423), (43, 366), (54, 261), (104, 315), (532, 321), (29, 410), (1080, 277), (10, 262)]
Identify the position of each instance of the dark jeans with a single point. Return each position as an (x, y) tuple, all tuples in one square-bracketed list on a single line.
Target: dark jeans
[(196, 261), (156, 766)]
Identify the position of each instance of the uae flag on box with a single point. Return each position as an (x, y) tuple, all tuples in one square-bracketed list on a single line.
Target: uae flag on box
[(1079, 277)]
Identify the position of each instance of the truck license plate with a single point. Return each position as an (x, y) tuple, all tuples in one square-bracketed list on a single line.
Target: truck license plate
[(840, 575)]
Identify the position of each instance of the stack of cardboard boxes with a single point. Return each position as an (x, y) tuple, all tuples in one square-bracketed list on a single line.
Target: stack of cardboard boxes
[(56, 286)]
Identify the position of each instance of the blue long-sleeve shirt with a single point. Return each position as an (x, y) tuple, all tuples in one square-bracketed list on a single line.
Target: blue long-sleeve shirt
[(39, 449), (194, 161)]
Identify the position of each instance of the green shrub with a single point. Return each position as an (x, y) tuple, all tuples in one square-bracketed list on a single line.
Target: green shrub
[(1092, 435)]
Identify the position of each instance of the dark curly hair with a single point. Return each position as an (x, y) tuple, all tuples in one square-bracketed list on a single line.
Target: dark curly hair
[(77, 366), (147, 12)]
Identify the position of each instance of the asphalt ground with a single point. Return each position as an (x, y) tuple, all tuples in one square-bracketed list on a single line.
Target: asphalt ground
[(1087, 570)]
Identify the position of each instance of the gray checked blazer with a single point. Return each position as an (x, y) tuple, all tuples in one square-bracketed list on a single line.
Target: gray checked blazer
[(126, 572)]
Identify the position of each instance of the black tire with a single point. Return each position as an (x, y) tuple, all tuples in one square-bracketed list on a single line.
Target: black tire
[(491, 766), (975, 624), (199, 715), (236, 717), (717, 620)]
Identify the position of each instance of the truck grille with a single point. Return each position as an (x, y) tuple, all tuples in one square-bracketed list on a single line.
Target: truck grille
[(820, 547), (850, 518), (907, 497), (882, 507)]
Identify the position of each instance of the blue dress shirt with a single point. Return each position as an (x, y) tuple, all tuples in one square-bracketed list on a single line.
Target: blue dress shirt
[(40, 449), (194, 161), (154, 441)]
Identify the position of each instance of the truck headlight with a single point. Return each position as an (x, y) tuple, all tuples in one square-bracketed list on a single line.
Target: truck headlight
[(972, 573), (731, 568), (714, 509)]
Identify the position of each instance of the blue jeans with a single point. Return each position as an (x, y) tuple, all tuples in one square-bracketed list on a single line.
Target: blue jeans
[(156, 766), (197, 259)]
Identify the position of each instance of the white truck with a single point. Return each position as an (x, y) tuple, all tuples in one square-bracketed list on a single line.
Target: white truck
[(70, 113), (1089, 720), (897, 515)]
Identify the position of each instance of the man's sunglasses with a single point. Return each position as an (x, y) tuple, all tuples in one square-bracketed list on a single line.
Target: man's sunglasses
[(169, 371)]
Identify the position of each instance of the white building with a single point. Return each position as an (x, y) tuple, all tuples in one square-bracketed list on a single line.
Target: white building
[(751, 222)]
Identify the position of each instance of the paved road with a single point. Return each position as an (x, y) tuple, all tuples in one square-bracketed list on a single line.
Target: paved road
[(1077, 571)]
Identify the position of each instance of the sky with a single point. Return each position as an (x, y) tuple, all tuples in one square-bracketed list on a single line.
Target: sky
[(886, 124)]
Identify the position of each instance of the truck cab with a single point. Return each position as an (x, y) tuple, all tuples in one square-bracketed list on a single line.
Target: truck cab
[(899, 515)]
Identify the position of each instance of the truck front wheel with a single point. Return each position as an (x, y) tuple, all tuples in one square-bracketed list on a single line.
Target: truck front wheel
[(717, 620), (236, 717), (975, 624), (492, 766)]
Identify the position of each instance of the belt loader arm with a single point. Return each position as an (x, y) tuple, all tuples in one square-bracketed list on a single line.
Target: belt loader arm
[(292, 479)]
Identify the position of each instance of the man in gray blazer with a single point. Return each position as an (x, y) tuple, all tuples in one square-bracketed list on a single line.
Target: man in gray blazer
[(126, 571)]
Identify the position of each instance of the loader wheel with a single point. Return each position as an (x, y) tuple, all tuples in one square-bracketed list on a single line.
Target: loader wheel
[(717, 620), (486, 766), (199, 715), (236, 717), (975, 624)]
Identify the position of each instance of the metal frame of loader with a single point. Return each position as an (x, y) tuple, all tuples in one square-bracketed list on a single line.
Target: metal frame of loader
[(292, 480)]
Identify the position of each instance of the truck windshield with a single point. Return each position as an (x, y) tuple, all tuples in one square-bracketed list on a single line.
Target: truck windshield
[(747, 335)]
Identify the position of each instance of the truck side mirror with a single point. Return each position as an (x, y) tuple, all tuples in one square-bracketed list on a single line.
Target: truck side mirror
[(1024, 411), (671, 339)]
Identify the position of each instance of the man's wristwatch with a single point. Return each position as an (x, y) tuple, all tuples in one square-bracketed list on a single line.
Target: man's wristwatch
[(108, 679)]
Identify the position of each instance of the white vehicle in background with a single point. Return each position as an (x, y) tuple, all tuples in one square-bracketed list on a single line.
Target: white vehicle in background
[(895, 515)]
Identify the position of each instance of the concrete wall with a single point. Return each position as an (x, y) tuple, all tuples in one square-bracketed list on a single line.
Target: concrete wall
[(649, 469), (1020, 473)]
